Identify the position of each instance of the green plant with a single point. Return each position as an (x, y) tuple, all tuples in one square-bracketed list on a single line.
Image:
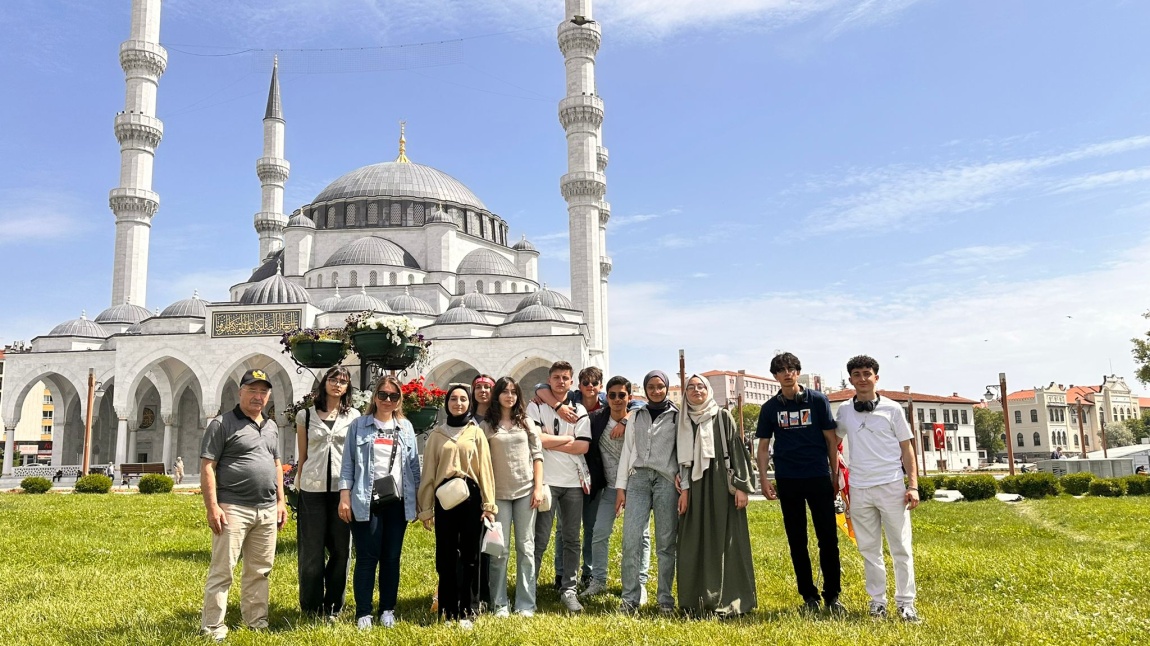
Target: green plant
[(1137, 485), (94, 483), (1108, 487), (1076, 484), (925, 489), (1038, 484), (980, 487), (292, 337), (35, 484), (156, 483), (938, 481)]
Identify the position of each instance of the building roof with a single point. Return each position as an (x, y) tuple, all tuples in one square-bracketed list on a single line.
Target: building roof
[(361, 302), (1143, 402), (1085, 392), (300, 220), (524, 245), (477, 301), (1021, 394), (536, 312), (80, 327), (548, 297), (401, 179), (486, 261), (123, 313), (275, 108), (372, 250), (902, 396), (187, 307), (461, 314), (267, 269), (276, 290), (405, 303)]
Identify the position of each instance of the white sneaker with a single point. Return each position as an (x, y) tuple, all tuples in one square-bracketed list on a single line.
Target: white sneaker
[(387, 619), (363, 623), (643, 595), (526, 614), (502, 613), (466, 624)]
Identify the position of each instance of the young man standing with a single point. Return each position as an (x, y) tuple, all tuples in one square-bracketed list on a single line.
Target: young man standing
[(243, 491), (806, 475), (565, 472), (881, 453)]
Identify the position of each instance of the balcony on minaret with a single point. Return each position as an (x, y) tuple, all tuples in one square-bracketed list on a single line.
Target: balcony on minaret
[(128, 201), (579, 40), (601, 157), (583, 184), (604, 213), (272, 169), (136, 126), (152, 57), (604, 266), (584, 109)]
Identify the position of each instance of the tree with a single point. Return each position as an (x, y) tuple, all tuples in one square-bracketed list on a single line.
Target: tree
[(988, 430), (1141, 354), (750, 417), (1139, 426), (1118, 434)]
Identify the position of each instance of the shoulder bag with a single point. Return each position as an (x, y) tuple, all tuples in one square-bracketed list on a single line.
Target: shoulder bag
[(384, 490)]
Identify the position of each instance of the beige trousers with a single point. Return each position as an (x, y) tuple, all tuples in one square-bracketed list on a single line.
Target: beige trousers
[(251, 535)]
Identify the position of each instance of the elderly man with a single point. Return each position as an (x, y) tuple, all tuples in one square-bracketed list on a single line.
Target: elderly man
[(243, 491)]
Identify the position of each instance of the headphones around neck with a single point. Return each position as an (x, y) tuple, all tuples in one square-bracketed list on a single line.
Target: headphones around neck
[(800, 396), (865, 407)]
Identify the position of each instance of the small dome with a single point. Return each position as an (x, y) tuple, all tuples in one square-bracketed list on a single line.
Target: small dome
[(80, 327), (193, 307), (438, 215), (486, 261), (547, 297), (524, 245), (123, 313), (405, 303), (536, 312), (372, 250), (268, 268), (276, 290), (135, 328), (300, 220), (461, 314), (361, 302), (477, 301), (331, 302)]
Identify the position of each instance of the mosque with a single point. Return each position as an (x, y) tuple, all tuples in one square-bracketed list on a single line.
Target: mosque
[(393, 237)]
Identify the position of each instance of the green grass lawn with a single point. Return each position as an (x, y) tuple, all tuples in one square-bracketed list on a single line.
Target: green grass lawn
[(117, 569)]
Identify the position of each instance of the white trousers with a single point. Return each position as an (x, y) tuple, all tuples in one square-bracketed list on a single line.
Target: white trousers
[(875, 510)]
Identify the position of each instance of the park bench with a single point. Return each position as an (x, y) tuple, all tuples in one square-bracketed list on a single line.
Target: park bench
[(129, 471)]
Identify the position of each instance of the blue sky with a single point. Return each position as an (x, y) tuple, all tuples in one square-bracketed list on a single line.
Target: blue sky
[(956, 188)]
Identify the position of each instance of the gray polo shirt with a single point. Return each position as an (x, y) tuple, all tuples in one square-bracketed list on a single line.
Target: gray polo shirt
[(245, 454)]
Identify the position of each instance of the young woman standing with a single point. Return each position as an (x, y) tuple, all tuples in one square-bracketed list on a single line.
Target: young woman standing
[(380, 445), (323, 540)]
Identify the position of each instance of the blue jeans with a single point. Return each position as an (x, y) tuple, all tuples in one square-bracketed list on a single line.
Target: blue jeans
[(650, 493), (590, 512), (566, 503), (378, 541), (601, 538), (519, 513)]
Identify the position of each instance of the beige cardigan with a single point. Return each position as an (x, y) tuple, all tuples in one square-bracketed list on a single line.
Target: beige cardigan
[(443, 457)]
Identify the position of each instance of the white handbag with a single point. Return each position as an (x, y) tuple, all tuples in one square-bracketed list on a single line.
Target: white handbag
[(545, 504), (452, 493), (493, 543)]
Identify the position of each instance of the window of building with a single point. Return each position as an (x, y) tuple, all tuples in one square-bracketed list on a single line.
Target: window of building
[(964, 417), (372, 279), (373, 214), (514, 288), (1087, 440), (1034, 415), (933, 416), (47, 398), (946, 415), (353, 278), (46, 429), (47, 414), (948, 445), (331, 217), (319, 280), (459, 287), (1075, 440), (922, 414), (1020, 443), (349, 216), (498, 287), (966, 444), (393, 278), (418, 210), (1074, 415), (396, 214), (906, 413), (1017, 417), (1037, 439), (479, 286), (334, 279), (411, 279)]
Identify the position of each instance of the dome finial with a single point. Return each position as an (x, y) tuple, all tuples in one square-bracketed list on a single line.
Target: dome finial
[(84, 314), (196, 294), (402, 159), (280, 265)]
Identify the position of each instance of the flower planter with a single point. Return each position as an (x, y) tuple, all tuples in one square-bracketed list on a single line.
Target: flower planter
[(319, 353), (402, 361), (423, 418), (376, 345)]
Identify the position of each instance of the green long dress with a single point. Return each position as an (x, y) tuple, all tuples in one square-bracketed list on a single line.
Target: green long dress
[(716, 574)]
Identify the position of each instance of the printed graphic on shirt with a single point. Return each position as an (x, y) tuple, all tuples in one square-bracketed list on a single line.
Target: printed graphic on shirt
[(384, 441), (783, 418), (795, 418), (806, 415)]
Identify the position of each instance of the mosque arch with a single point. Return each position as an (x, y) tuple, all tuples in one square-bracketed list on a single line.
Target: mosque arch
[(452, 371)]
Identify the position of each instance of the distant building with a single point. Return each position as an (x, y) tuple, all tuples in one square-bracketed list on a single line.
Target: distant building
[(1043, 419), (725, 387), (953, 415)]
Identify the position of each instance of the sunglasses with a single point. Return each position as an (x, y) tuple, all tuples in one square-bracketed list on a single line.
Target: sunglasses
[(387, 397), (588, 384), (616, 395)]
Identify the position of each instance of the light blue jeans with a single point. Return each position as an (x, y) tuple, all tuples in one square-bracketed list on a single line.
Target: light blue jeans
[(650, 493), (519, 513), (601, 538)]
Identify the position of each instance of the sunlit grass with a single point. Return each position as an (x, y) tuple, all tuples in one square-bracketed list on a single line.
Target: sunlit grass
[(130, 570)]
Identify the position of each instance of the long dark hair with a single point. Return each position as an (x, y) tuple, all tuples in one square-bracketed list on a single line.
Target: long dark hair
[(495, 410), (391, 381), (319, 394)]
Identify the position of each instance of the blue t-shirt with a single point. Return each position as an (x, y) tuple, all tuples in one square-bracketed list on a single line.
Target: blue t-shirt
[(797, 426)]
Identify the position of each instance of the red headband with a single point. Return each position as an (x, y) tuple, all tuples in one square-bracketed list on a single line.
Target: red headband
[(483, 380)]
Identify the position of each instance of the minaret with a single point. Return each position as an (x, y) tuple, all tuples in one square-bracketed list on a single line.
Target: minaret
[(584, 186), (139, 132), (273, 170)]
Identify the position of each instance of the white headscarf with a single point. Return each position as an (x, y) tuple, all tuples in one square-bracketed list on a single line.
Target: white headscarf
[(697, 451)]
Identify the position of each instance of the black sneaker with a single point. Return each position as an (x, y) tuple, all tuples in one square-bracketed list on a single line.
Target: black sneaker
[(810, 606), (836, 608), (558, 582)]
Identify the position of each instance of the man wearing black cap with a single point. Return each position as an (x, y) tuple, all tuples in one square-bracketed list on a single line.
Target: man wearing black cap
[(243, 491)]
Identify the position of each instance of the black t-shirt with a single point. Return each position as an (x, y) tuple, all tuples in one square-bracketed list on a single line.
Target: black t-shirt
[(797, 426)]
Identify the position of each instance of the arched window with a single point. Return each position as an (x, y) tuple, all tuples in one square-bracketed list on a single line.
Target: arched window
[(1017, 417), (460, 287), (396, 214), (373, 214), (411, 279), (334, 279), (354, 279), (372, 279), (392, 279), (479, 286), (498, 287), (1075, 440), (319, 280), (349, 216), (1037, 439), (1034, 415), (420, 210), (514, 288), (331, 217), (1087, 440), (1020, 443)]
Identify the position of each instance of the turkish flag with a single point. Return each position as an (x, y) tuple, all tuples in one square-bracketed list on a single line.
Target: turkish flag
[(939, 437)]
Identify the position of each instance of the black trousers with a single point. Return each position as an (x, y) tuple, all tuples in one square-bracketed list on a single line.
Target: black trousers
[(323, 541), (458, 532), (795, 495)]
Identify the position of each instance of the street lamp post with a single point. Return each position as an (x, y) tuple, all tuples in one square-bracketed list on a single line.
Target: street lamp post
[(1001, 387), (1081, 433), (88, 422)]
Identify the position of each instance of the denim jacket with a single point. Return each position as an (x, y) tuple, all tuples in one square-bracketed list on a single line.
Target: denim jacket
[(357, 472)]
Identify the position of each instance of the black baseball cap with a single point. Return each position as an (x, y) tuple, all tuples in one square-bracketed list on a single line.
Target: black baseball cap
[(252, 376)]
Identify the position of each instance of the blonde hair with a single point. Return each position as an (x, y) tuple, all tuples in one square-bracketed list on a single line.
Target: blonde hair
[(389, 381)]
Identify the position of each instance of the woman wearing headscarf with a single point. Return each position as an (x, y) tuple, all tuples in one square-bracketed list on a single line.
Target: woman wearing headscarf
[(380, 446), (456, 494), (716, 574), (322, 538)]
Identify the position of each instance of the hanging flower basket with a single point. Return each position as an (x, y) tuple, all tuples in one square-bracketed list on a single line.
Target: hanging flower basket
[(423, 419), (403, 361), (318, 353), (377, 345)]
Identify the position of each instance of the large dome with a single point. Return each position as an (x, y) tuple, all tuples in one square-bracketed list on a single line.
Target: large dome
[(372, 250), (401, 179), (486, 261)]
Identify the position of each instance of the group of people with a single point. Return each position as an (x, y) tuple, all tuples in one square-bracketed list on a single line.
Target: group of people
[(517, 467)]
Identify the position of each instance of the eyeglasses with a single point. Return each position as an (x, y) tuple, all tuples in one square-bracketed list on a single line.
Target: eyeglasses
[(617, 395), (699, 387), (339, 382), (387, 397), (787, 371), (588, 384)]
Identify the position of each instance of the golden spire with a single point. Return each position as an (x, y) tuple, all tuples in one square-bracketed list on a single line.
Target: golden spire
[(402, 145)]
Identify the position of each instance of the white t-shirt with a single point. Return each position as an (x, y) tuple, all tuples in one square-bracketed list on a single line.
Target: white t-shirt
[(875, 454), (385, 442), (562, 469)]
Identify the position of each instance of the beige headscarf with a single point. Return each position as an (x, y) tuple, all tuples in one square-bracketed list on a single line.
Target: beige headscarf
[(697, 451)]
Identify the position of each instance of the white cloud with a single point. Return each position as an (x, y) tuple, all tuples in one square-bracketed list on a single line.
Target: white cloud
[(957, 337), (40, 216), (1105, 180), (974, 256)]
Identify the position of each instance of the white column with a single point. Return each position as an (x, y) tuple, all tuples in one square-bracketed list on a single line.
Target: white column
[(167, 450), (9, 447), (121, 442), (132, 444)]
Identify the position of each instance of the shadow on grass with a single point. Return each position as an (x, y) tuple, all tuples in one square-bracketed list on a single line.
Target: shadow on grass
[(204, 555), (186, 622)]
